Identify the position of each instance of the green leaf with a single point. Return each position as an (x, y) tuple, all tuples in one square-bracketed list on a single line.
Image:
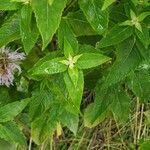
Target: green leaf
[(102, 102), (28, 29), (145, 53), (5, 97), (132, 14), (56, 86), (145, 145), (39, 62), (8, 5), (128, 58), (60, 95), (70, 120), (140, 84), (44, 126), (121, 106), (135, 2), (79, 24), (143, 15), (10, 132), (10, 30), (40, 102), (116, 35), (139, 27), (89, 60), (48, 17), (50, 2), (107, 3), (49, 67), (96, 17), (68, 50), (65, 33), (11, 110), (144, 36), (126, 23), (75, 93), (89, 114), (74, 75), (88, 49)]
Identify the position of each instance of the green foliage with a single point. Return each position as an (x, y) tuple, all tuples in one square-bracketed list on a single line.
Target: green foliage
[(72, 48), (107, 3), (9, 111), (29, 34), (8, 5), (9, 30), (145, 145), (121, 106), (10, 132), (96, 17), (116, 35), (46, 15)]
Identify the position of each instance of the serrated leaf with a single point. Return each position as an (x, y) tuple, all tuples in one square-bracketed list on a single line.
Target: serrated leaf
[(8, 5), (121, 106), (10, 132), (88, 116), (49, 67), (132, 14), (125, 62), (40, 102), (70, 120), (38, 63), (28, 29), (65, 33), (102, 101), (143, 36), (143, 51), (143, 15), (11, 110), (58, 88), (48, 17), (10, 30), (75, 93), (116, 35), (68, 50), (96, 17), (79, 24), (74, 75), (89, 60), (44, 126), (139, 27), (107, 3), (140, 84), (88, 49)]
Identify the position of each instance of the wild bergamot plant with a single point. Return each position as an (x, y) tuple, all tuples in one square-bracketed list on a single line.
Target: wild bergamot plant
[(62, 51)]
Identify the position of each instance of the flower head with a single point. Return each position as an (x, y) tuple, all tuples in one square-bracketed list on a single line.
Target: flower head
[(8, 65)]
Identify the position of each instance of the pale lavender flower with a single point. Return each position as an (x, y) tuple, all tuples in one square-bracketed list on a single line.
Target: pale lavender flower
[(8, 65)]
